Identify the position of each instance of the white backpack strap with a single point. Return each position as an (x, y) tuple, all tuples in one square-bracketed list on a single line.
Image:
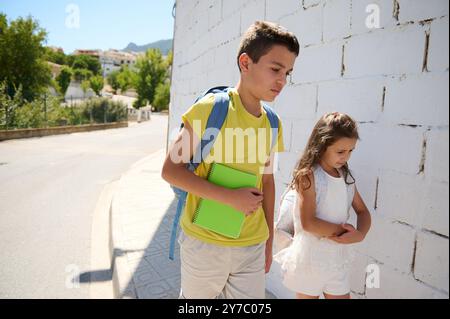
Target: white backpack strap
[(350, 194), (321, 184), (285, 220), (284, 227)]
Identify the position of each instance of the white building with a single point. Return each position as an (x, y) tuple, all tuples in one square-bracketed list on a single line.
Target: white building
[(113, 60), (392, 78)]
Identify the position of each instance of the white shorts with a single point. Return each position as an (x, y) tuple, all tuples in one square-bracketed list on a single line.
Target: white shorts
[(314, 282), (210, 271)]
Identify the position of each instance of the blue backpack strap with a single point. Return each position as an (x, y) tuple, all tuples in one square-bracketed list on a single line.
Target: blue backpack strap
[(182, 195), (215, 121), (274, 124)]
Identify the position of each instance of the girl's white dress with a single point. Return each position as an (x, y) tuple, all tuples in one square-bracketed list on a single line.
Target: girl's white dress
[(310, 256)]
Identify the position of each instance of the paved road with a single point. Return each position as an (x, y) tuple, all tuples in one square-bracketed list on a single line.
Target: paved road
[(48, 191)]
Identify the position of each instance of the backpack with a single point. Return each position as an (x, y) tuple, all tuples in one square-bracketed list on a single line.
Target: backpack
[(284, 228), (215, 121)]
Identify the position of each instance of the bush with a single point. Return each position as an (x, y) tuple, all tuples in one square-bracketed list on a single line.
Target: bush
[(8, 106), (115, 111), (47, 111)]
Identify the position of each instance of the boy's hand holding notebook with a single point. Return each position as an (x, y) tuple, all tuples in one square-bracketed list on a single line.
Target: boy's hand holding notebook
[(219, 217), (246, 200)]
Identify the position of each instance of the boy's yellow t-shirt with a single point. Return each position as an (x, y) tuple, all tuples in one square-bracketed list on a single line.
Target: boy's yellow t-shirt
[(246, 149)]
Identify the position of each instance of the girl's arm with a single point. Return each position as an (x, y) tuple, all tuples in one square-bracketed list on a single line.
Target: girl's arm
[(353, 235), (310, 222), (363, 219)]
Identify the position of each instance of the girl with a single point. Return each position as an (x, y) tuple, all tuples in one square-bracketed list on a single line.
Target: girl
[(319, 257)]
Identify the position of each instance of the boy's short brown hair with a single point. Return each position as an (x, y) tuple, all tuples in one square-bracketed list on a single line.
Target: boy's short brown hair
[(262, 36)]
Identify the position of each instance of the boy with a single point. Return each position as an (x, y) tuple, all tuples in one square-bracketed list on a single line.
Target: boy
[(213, 265)]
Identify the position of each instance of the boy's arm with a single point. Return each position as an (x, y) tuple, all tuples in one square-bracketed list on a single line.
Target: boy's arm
[(175, 173), (310, 222), (268, 188)]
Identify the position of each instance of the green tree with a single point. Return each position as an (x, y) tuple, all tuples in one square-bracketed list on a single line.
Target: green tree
[(80, 65), (162, 97), (96, 83), (123, 79), (64, 79), (81, 75), (127, 79), (57, 57), (70, 59), (3, 23), (87, 62), (151, 72), (85, 86), (113, 81), (21, 57), (169, 59)]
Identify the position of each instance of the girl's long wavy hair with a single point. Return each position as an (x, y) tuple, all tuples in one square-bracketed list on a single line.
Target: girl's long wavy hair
[(330, 128)]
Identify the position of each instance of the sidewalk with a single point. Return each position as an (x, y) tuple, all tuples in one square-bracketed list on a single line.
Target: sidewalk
[(142, 212)]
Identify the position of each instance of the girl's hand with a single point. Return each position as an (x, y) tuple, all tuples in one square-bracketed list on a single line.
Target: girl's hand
[(351, 236)]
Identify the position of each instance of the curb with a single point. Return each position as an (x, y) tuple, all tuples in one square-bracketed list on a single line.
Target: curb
[(100, 234), (51, 131)]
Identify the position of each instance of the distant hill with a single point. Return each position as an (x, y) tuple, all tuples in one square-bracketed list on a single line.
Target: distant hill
[(164, 45)]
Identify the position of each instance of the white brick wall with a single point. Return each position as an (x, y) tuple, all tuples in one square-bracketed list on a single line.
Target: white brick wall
[(418, 10), (395, 284), (329, 55), (384, 52), (391, 243), (436, 164), (431, 264), (307, 23), (358, 273), (392, 80), (252, 11), (434, 208), (389, 147), (361, 99), (336, 19), (438, 49), (305, 106), (275, 9), (399, 195), (418, 100)]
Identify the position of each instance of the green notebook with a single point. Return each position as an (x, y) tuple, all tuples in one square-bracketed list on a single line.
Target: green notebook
[(219, 217)]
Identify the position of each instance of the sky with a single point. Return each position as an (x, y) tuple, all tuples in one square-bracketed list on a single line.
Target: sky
[(96, 24)]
